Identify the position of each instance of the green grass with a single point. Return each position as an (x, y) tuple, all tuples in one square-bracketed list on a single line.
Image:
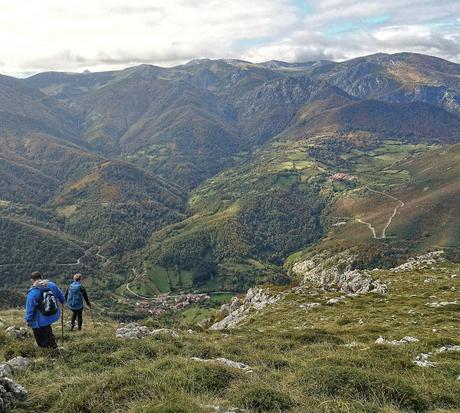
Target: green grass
[(221, 298), (195, 314), (160, 277), (298, 358)]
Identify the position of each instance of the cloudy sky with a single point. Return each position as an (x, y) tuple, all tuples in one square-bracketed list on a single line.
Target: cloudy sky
[(74, 35)]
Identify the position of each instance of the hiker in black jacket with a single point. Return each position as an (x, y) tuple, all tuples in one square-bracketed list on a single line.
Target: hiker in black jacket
[(74, 296)]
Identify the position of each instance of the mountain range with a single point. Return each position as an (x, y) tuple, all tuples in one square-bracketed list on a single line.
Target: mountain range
[(218, 174)]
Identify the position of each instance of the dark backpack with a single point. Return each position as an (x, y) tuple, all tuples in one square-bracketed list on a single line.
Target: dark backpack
[(47, 304)]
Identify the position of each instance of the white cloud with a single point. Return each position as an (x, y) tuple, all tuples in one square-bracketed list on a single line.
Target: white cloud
[(105, 34)]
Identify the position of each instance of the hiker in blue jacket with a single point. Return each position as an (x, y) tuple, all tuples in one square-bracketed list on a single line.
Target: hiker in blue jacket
[(42, 309), (74, 297)]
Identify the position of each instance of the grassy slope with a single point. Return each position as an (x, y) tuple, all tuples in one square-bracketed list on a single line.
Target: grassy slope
[(426, 183), (298, 358), (420, 174)]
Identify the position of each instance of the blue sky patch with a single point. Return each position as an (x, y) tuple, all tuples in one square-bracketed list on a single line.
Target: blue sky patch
[(304, 7), (377, 19), (341, 28), (252, 42), (357, 25)]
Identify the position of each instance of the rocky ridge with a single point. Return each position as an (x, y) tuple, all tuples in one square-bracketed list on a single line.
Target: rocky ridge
[(336, 273), (420, 262)]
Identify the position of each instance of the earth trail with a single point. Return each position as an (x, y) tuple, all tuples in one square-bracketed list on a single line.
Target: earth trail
[(390, 219)]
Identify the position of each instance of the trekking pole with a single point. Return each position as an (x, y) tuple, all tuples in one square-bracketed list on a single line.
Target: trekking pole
[(92, 318), (62, 324)]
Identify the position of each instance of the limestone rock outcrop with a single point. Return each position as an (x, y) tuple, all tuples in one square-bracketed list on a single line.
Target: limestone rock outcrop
[(336, 273), (256, 299)]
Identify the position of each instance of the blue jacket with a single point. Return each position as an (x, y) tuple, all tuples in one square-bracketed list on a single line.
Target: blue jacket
[(34, 317)]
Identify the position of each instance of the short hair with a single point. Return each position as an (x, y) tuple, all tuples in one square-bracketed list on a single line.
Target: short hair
[(36, 275), (77, 277)]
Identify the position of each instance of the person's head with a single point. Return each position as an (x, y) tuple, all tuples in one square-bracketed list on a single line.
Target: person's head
[(35, 276), (77, 277)]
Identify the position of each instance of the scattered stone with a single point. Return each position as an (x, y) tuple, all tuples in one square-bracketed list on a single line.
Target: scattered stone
[(441, 304), (135, 331), (219, 409), (404, 340), (5, 371), (422, 360), (448, 348), (226, 362), (166, 331), (336, 300), (352, 344), (428, 280), (256, 299), (309, 306), (19, 363), (454, 276), (9, 389), (19, 333), (132, 331)]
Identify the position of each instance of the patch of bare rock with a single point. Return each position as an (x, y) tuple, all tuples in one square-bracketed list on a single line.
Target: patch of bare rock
[(237, 310), (336, 273), (226, 362), (9, 389), (441, 304), (19, 363), (448, 348), (19, 333), (423, 360), (136, 331), (309, 306), (420, 262), (405, 340)]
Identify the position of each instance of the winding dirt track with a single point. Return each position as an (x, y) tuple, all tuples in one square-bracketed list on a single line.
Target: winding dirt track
[(128, 288), (390, 219), (71, 264), (369, 225)]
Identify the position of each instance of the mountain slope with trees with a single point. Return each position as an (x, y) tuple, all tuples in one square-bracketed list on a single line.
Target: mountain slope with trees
[(219, 170)]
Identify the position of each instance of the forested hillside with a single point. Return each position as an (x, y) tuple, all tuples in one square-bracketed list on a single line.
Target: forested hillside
[(210, 175)]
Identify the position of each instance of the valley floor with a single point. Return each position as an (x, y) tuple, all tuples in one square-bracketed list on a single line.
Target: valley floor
[(301, 358)]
